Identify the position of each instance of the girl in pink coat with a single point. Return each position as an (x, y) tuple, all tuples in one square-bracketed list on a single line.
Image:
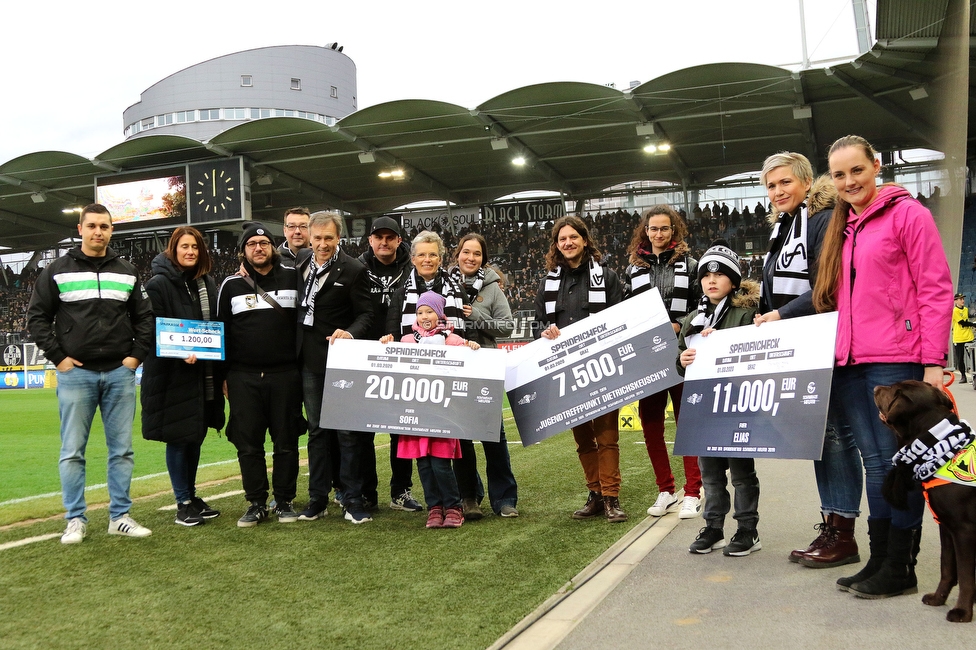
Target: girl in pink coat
[(434, 455)]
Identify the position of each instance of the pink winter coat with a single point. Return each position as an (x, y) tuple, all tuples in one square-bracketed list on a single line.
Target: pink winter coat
[(420, 446), (894, 297)]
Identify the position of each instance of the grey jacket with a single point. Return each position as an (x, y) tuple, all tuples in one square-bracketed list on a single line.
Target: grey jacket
[(491, 316)]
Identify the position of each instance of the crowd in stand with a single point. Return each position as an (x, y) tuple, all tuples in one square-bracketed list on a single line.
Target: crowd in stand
[(516, 250)]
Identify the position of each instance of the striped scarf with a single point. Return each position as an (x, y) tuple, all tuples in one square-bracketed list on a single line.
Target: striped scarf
[(453, 294), (640, 281), (787, 253), (208, 366), (708, 316), (597, 289), (315, 273), (476, 285)]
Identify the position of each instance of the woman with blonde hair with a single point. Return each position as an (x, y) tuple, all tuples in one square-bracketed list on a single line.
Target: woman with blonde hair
[(801, 211)]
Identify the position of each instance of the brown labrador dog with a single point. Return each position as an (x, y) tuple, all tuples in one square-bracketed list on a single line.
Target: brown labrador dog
[(910, 409)]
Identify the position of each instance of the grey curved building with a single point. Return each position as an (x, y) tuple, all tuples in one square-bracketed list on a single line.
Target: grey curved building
[(306, 81)]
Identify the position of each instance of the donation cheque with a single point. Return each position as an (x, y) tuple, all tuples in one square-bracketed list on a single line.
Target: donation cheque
[(437, 391), (759, 392), (597, 364), (177, 338)]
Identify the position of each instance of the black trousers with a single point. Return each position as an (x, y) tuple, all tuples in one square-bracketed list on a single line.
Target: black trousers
[(266, 402), (321, 450), (401, 469)]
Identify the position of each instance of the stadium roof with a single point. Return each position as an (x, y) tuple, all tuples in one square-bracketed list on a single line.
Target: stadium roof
[(577, 138)]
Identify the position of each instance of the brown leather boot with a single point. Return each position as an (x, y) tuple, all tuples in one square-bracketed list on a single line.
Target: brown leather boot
[(593, 507), (796, 554), (840, 548), (611, 507)]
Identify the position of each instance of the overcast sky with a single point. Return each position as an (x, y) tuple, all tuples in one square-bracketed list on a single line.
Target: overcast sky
[(70, 68)]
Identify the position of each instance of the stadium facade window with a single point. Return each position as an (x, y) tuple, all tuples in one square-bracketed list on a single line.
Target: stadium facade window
[(334, 93), (246, 80), (209, 114), (162, 120), (147, 123), (186, 116), (296, 84), (235, 113)]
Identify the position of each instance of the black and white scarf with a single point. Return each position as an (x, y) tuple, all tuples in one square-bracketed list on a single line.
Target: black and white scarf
[(709, 315), (208, 371), (597, 297), (474, 288), (452, 292), (315, 273), (640, 281), (943, 442), (791, 266)]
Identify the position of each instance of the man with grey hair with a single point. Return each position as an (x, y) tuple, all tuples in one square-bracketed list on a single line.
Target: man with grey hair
[(334, 304)]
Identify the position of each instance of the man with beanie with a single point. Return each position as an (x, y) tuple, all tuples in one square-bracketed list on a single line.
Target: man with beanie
[(333, 304), (263, 384), (388, 264)]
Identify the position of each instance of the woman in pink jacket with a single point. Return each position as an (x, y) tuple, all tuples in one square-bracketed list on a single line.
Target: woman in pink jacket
[(884, 270)]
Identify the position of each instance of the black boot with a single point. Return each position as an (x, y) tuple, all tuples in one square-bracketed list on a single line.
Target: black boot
[(878, 540), (897, 574)]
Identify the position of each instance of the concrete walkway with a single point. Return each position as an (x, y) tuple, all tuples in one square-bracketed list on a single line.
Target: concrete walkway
[(650, 592)]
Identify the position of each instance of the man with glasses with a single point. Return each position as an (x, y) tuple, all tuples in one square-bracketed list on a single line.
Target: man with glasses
[(263, 383), (296, 235)]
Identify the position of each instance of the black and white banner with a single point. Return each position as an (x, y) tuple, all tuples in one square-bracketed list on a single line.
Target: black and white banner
[(437, 391), (759, 392), (598, 364)]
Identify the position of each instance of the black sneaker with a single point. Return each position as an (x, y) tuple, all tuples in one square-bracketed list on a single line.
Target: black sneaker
[(256, 513), (202, 509), (355, 512), (708, 540), (286, 512), (316, 508), (405, 502), (744, 542), (186, 515)]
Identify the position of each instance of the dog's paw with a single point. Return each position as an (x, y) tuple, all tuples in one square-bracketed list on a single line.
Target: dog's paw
[(934, 599), (957, 615)]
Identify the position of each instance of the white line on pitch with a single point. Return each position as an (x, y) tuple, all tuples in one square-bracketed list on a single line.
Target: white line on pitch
[(28, 540)]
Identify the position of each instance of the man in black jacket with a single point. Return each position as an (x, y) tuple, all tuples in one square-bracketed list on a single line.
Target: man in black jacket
[(388, 264), (333, 304), (94, 322), (263, 385)]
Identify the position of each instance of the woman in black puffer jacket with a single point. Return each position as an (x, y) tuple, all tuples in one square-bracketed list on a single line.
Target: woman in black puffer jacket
[(182, 398)]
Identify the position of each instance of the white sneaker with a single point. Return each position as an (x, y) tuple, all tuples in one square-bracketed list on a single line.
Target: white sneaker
[(665, 503), (691, 507), (75, 532), (126, 525)]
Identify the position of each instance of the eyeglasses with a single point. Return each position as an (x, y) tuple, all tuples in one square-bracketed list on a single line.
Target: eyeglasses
[(251, 245), (291, 228), (655, 229)]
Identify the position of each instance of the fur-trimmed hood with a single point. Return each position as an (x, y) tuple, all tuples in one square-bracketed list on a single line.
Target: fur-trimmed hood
[(680, 250), (747, 295), (822, 196)]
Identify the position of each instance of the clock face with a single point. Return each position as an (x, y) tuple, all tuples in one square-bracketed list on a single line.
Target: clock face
[(214, 190)]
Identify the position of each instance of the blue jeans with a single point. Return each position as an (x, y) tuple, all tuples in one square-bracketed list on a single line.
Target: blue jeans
[(80, 392), (876, 442), (840, 476), (182, 460), (440, 486)]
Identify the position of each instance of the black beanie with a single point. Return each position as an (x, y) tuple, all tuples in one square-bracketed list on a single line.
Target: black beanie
[(252, 229), (719, 258)]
